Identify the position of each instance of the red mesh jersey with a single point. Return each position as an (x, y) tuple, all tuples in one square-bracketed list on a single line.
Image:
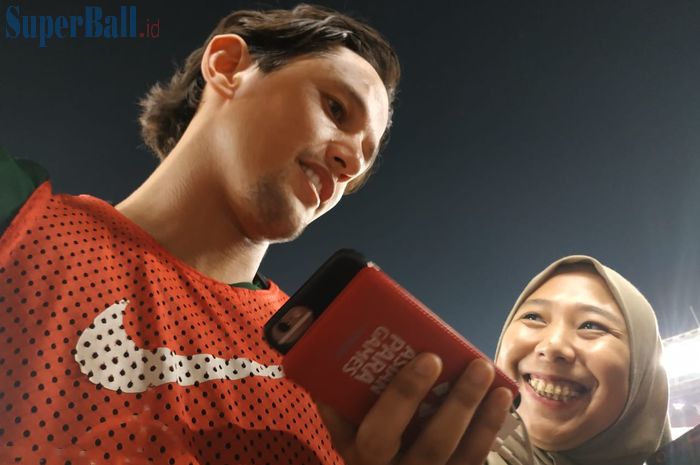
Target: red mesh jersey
[(114, 351)]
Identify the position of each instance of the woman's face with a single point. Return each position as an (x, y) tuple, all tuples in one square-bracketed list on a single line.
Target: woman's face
[(568, 348)]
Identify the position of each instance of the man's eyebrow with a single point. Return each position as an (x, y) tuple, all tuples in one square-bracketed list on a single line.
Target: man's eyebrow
[(585, 307), (360, 103)]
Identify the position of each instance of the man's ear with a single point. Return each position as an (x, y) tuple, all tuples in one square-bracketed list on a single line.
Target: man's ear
[(225, 56)]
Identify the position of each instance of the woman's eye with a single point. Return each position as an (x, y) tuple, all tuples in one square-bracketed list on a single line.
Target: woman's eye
[(531, 316), (591, 325)]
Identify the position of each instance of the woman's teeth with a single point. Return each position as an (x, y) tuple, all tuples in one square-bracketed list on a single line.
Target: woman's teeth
[(313, 177), (560, 391)]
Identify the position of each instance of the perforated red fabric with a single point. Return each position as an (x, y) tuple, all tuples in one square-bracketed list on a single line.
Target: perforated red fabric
[(114, 351)]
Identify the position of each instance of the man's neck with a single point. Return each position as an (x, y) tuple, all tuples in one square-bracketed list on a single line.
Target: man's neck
[(181, 209)]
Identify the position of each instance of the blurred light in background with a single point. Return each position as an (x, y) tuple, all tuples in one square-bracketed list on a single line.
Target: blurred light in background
[(681, 358)]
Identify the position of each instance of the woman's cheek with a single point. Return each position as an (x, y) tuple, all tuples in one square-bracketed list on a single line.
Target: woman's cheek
[(508, 357), (610, 358)]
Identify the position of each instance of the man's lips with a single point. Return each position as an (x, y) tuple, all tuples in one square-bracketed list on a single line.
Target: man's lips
[(326, 185)]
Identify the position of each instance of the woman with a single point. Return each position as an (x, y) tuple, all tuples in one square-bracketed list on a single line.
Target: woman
[(583, 344)]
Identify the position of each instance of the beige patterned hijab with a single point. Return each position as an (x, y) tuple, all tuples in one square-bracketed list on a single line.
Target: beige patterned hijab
[(643, 424)]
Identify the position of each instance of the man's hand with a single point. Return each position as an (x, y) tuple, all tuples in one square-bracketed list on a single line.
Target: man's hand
[(460, 432)]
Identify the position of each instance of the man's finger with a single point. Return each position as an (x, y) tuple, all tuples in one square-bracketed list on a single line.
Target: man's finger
[(342, 431), (482, 432), (379, 436), (443, 433)]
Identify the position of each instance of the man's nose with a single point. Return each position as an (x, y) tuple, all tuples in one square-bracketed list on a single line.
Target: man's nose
[(556, 345), (345, 158)]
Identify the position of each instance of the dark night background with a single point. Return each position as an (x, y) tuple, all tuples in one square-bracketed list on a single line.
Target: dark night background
[(524, 131)]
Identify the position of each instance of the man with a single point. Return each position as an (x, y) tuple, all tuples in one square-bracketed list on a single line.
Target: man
[(124, 342)]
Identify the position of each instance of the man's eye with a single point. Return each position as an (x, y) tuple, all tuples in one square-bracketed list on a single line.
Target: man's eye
[(336, 109)]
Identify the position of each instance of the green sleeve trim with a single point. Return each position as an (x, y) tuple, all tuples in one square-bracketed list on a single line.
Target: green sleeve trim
[(18, 180), (34, 171), (259, 283), (251, 286)]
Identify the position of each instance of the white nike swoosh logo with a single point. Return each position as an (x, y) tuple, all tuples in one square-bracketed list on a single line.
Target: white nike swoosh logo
[(109, 357)]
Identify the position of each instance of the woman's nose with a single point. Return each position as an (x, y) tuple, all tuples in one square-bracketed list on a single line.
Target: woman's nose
[(556, 345)]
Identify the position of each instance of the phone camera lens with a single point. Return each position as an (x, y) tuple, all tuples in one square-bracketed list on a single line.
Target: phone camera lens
[(283, 327)]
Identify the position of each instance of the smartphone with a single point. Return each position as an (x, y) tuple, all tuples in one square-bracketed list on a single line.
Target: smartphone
[(350, 328)]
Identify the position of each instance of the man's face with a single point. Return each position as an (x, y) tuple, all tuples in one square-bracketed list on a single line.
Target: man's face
[(567, 346), (288, 142)]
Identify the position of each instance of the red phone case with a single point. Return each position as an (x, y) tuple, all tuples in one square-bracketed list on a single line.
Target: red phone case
[(369, 331)]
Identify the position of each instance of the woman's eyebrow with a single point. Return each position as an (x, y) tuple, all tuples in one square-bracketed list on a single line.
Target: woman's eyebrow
[(604, 313), (585, 307), (539, 302)]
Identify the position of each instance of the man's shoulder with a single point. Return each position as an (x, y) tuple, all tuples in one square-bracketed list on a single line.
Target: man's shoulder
[(18, 181)]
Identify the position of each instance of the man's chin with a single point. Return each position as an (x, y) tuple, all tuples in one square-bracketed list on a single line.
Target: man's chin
[(276, 232), (285, 238)]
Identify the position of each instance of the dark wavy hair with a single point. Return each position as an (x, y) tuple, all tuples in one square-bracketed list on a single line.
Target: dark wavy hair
[(274, 37)]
